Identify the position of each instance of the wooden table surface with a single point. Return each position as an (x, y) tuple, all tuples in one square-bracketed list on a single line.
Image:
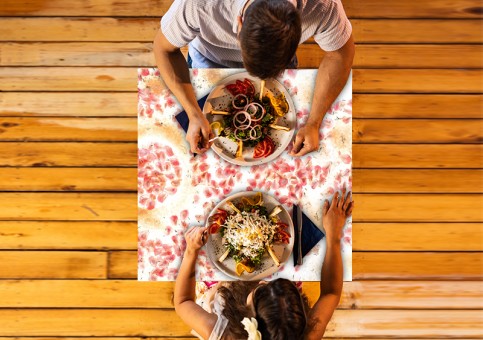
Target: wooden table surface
[(68, 135)]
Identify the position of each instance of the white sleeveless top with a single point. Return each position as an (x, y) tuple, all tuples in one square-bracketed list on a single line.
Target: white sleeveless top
[(212, 302)]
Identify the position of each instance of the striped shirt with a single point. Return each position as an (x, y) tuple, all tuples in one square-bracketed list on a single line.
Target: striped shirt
[(210, 27)]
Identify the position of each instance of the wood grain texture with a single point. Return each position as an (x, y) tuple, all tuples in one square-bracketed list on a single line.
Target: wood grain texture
[(122, 265), (365, 265), (432, 106), (68, 154), (417, 181), (416, 266), (69, 129), (124, 79), (401, 56), (68, 235), (134, 294), (125, 130), (123, 207), (68, 179), (68, 206), (449, 131), (41, 154), (124, 179), (418, 208), (106, 104), (382, 31), (413, 9), (417, 156), (52, 265), (145, 322), (309, 54), (60, 235), (353, 8), (416, 31), (417, 237), (417, 81), (91, 104)]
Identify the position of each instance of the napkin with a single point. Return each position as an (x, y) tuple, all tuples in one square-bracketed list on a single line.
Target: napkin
[(311, 234), (182, 117)]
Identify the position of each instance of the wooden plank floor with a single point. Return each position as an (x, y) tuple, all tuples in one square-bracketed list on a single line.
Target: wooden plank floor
[(68, 231)]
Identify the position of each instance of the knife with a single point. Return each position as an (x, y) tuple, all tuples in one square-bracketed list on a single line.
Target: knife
[(299, 230)]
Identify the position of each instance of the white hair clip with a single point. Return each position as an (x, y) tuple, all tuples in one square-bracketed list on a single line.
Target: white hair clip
[(251, 326)]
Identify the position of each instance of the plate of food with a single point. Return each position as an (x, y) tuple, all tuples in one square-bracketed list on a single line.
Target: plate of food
[(251, 235), (253, 120)]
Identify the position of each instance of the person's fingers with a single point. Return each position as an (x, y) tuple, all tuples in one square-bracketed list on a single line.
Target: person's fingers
[(349, 209), (305, 150), (297, 144), (342, 199), (347, 201), (325, 208), (335, 200), (194, 144)]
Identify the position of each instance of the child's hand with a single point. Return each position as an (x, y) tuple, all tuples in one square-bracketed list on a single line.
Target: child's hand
[(196, 238), (335, 214)]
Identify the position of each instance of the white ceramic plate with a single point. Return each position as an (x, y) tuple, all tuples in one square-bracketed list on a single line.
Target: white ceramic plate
[(215, 248), (220, 98)]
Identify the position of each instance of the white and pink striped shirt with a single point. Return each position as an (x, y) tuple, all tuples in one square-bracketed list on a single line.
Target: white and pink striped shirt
[(210, 27)]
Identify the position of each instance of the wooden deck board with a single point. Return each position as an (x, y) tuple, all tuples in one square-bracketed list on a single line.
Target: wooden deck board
[(68, 87), (52, 265), (122, 207), (135, 29), (125, 79), (146, 322), (108, 104), (134, 294), (427, 131), (354, 8), (365, 265), (309, 54)]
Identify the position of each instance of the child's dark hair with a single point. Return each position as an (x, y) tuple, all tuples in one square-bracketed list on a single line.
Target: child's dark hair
[(280, 309)]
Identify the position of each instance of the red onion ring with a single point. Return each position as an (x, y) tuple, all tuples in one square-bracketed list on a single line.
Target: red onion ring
[(238, 123), (253, 113), (236, 135), (254, 129), (235, 98)]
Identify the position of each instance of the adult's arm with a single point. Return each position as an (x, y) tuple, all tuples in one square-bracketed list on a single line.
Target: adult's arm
[(334, 217), (174, 71), (184, 290), (331, 78)]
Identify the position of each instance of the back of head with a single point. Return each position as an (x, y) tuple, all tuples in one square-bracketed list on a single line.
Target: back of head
[(269, 37), (280, 310)]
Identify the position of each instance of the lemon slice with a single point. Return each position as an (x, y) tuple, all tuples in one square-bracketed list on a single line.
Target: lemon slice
[(240, 268), (258, 199), (247, 202), (217, 127)]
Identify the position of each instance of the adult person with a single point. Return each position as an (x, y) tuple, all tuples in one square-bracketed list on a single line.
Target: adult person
[(262, 36), (274, 310)]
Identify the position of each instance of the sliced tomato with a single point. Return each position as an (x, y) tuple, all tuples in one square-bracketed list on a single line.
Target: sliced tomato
[(250, 87), (233, 89), (213, 228), (281, 226), (283, 236), (260, 149)]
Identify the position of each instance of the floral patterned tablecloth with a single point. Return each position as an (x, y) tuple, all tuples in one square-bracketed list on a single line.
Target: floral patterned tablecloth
[(177, 190)]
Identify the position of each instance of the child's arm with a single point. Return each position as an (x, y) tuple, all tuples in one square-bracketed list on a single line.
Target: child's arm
[(334, 217), (184, 290)]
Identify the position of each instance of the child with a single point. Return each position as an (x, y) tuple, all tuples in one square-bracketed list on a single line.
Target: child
[(273, 310)]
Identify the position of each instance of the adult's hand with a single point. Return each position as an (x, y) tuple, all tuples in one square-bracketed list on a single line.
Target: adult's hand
[(335, 214), (306, 140), (199, 134)]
